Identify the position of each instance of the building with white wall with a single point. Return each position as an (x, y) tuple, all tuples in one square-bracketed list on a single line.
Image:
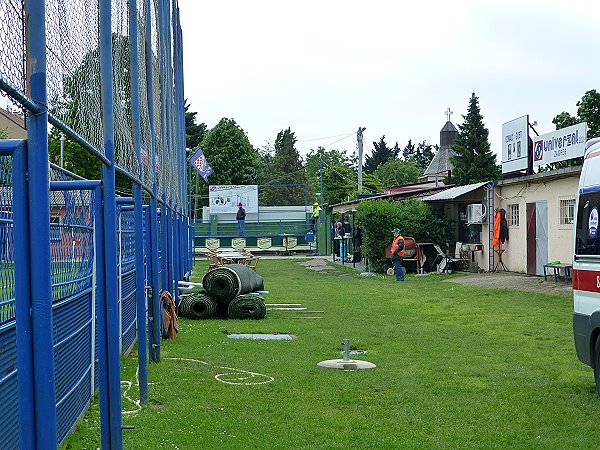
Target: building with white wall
[(540, 211)]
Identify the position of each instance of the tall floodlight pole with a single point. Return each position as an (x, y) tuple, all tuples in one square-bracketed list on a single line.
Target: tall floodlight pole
[(359, 137)]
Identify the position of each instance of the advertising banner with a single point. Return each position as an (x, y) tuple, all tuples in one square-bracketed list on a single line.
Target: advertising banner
[(514, 145), (560, 145), (225, 198)]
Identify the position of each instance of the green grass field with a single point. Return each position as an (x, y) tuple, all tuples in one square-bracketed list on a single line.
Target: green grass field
[(457, 367)]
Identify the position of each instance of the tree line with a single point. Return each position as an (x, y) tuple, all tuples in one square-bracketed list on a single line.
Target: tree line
[(288, 179)]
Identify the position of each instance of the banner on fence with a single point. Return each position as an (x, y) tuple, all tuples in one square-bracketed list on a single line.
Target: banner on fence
[(225, 198)]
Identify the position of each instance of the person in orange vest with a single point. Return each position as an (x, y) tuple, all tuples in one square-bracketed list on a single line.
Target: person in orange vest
[(398, 254)]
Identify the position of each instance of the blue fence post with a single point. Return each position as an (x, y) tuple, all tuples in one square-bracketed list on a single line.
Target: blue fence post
[(153, 233), (102, 325), (110, 231), (163, 245), (176, 274), (138, 206), (169, 249), (17, 150), (39, 217)]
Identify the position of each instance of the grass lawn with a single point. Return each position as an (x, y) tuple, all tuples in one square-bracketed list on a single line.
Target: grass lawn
[(457, 367)]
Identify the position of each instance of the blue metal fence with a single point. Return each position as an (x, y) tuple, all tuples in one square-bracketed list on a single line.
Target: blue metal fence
[(109, 76)]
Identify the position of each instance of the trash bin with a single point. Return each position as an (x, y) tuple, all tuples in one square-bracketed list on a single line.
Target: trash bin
[(473, 267)]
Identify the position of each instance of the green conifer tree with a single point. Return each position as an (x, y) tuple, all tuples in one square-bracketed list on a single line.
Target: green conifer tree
[(381, 154), (473, 159), (285, 168)]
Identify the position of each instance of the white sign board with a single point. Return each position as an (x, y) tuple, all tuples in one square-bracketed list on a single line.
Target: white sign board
[(566, 143), (225, 198), (514, 145)]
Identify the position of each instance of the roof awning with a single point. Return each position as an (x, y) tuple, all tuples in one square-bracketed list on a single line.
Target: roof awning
[(454, 192)]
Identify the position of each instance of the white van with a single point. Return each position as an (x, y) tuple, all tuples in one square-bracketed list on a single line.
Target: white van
[(586, 262)]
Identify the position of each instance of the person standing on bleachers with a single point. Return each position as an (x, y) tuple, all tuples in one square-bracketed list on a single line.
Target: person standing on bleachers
[(241, 218)]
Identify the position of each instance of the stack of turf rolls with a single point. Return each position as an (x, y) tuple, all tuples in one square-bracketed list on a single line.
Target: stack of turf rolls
[(229, 291)]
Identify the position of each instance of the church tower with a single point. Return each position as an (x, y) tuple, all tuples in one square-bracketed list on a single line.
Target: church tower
[(440, 166)]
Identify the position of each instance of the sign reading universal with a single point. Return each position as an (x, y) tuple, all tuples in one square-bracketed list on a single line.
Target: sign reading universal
[(560, 145)]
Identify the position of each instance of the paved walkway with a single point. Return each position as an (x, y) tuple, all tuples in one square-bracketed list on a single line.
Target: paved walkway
[(494, 280)]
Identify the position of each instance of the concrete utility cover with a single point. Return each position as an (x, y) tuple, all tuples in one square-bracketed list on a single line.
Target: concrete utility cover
[(265, 336), (350, 364)]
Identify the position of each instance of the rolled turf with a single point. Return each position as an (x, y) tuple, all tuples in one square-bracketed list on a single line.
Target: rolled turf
[(225, 283), (247, 306), (197, 305)]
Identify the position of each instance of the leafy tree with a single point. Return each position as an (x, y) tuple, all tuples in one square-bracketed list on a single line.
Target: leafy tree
[(194, 133), (3, 134), (339, 183), (409, 151), (265, 156), (588, 110), (564, 119), (285, 168), (424, 154), (414, 218), (329, 158), (76, 158), (396, 172), (381, 154), (473, 159), (230, 154)]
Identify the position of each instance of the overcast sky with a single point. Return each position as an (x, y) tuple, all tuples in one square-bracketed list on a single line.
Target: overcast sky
[(324, 68)]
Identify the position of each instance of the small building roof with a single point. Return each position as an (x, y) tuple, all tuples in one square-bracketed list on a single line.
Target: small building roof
[(453, 192), (416, 191), (440, 162)]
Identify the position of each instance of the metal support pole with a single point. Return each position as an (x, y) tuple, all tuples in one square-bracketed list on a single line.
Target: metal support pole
[(346, 353), (110, 232), (18, 151), (39, 219), (140, 292), (359, 137), (154, 306), (62, 150)]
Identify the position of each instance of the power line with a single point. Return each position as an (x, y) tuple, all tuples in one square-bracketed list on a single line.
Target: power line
[(334, 142), (323, 138)]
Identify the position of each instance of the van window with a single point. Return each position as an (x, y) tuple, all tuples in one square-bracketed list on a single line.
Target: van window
[(587, 241)]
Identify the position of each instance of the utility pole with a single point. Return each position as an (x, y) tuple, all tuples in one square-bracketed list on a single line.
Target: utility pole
[(359, 137), (321, 182), (62, 150)]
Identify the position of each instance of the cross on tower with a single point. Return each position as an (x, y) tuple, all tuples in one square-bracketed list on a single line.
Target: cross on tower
[(448, 113)]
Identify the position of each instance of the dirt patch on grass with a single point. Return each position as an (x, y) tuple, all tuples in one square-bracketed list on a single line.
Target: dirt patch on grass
[(516, 281)]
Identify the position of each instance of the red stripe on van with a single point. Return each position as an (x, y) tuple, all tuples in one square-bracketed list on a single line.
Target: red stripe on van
[(586, 280), (593, 154)]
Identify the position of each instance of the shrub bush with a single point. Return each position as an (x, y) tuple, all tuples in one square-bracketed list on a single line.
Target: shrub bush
[(413, 217)]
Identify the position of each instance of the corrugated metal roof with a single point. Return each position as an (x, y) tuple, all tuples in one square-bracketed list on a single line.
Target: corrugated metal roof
[(454, 192)]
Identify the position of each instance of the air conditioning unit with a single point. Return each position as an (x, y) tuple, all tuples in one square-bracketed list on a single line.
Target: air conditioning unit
[(475, 213)]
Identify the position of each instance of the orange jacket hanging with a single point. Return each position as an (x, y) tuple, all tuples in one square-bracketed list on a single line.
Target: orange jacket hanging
[(496, 240)]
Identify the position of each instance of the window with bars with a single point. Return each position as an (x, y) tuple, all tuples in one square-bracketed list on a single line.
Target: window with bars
[(513, 215), (567, 210)]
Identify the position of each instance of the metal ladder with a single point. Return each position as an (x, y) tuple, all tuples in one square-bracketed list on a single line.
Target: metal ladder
[(490, 221)]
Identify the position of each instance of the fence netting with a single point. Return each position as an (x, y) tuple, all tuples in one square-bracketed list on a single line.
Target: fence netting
[(73, 60), (12, 44)]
